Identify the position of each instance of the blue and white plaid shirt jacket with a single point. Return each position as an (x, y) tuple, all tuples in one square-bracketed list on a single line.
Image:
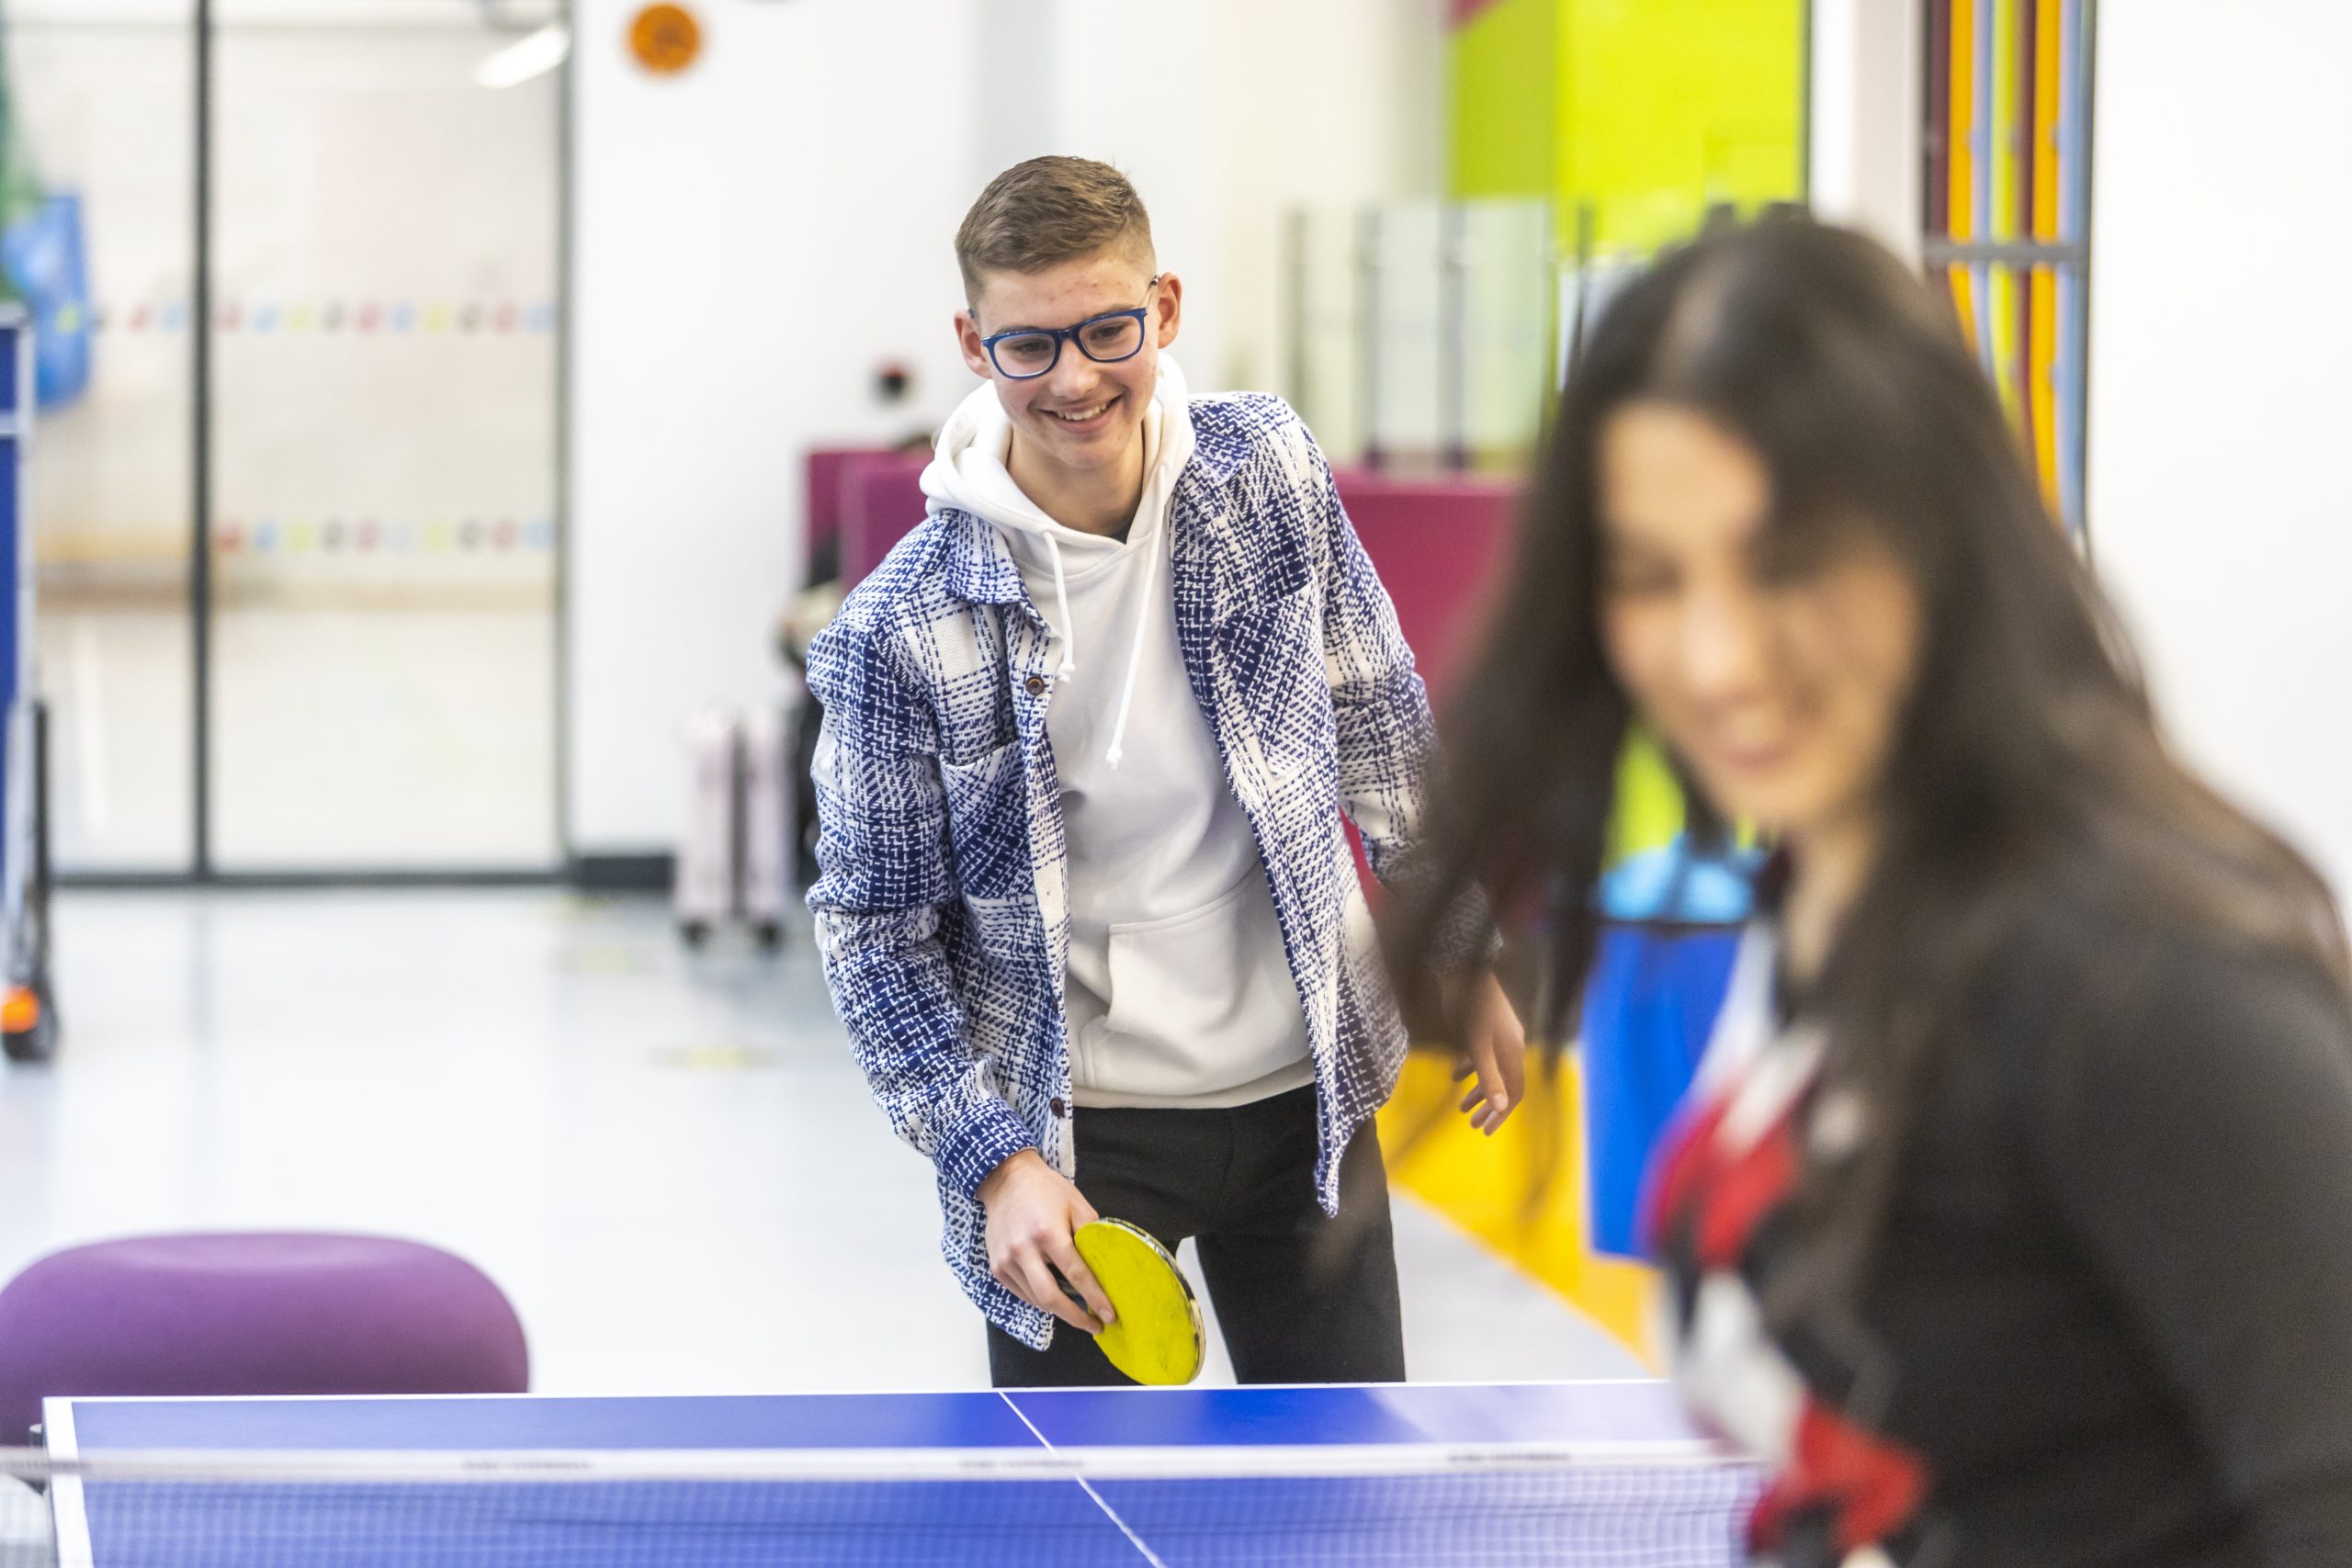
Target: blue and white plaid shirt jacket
[(942, 903)]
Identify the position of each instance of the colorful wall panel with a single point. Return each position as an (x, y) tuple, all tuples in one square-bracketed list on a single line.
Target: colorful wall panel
[(1643, 112), (2006, 213), (1632, 119)]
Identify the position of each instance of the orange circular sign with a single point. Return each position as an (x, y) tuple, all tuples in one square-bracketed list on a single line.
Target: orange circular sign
[(665, 38)]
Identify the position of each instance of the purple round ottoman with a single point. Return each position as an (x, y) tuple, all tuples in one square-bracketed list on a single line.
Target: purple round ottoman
[(270, 1312)]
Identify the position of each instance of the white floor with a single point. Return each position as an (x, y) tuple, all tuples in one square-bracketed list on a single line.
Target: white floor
[(667, 1160)]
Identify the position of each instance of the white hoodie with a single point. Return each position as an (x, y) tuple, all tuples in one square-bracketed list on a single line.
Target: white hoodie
[(1178, 991)]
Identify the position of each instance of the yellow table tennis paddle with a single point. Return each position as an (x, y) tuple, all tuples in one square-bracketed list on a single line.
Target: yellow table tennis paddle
[(1157, 1336)]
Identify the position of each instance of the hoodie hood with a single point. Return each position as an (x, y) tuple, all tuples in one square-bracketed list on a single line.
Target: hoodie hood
[(967, 470), (967, 473)]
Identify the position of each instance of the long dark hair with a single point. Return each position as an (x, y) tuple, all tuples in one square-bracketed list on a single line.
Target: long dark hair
[(2026, 756)]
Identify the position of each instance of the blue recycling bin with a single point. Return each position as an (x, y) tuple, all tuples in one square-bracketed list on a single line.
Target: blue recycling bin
[(1669, 933)]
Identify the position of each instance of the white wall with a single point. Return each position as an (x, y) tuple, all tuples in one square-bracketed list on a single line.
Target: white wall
[(1865, 118), (751, 238), (2219, 511)]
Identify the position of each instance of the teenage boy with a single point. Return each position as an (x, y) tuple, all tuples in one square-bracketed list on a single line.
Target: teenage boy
[(1085, 901)]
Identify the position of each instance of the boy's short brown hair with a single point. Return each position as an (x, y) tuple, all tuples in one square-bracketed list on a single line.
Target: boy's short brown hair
[(1049, 211)]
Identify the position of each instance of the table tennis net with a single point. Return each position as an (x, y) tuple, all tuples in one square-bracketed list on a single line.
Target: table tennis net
[(1638, 1507)]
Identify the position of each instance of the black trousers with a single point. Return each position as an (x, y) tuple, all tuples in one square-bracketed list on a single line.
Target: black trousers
[(1302, 1297)]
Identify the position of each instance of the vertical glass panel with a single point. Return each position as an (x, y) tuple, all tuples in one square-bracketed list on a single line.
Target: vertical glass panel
[(1507, 291), (1406, 336), (1326, 371), (384, 439), (101, 103)]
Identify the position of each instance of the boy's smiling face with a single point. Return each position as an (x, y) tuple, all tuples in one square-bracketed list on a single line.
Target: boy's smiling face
[(1082, 419)]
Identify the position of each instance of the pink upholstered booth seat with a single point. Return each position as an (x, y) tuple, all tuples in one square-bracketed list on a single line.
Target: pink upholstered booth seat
[(1435, 543), (881, 503), (1439, 545), (825, 469)]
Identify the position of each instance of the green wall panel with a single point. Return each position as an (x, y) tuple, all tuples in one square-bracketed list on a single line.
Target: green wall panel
[(1506, 101), (1649, 112), (1670, 106)]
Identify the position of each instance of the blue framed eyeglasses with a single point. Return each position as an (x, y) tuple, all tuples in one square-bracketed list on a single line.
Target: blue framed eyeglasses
[(1025, 353)]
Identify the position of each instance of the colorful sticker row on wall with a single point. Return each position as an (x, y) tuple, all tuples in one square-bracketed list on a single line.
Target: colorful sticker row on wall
[(365, 317), (367, 536)]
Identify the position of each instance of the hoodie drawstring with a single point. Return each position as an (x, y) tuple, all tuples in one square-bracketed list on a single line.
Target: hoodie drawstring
[(1134, 658), (1135, 654), (1070, 627)]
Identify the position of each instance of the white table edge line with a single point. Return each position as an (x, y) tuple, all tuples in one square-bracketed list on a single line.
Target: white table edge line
[(68, 1514), (1109, 1512)]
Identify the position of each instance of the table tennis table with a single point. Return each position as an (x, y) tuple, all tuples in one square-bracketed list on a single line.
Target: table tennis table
[(1464, 1486)]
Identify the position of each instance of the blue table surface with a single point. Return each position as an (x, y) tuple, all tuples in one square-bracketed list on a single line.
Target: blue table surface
[(1398, 1413), (1675, 1514)]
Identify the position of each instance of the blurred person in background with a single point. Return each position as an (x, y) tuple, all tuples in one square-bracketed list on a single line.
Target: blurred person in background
[(2011, 1218), (1085, 905)]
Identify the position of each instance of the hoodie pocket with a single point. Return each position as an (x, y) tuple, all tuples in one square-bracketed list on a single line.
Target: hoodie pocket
[(1201, 1001)]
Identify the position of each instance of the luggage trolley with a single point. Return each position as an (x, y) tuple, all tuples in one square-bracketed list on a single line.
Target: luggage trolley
[(28, 1027)]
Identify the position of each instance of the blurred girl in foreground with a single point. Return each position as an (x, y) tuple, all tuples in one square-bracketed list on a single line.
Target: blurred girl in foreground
[(2011, 1220)]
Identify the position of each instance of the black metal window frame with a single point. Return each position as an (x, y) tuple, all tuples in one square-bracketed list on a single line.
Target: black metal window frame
[(202, 868)]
